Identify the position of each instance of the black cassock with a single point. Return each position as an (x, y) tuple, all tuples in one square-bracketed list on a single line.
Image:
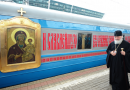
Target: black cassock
[(119, 66)]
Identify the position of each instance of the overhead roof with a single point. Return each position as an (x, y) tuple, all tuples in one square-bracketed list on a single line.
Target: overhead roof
[(60, 6)]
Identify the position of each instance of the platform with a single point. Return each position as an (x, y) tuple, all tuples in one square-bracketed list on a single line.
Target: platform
[(96, 78)]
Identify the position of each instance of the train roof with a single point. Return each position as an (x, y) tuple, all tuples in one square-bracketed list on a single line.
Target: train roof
[(10, 9)]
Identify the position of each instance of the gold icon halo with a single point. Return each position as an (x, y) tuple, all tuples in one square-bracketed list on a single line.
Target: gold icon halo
[(27, 34)]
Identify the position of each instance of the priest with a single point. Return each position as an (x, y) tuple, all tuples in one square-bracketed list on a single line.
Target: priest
[(118, 60)]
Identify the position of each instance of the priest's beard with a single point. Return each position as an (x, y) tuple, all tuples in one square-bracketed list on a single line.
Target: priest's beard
[(118, 41)]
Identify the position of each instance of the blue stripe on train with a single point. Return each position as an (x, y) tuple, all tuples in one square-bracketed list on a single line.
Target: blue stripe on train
[(50, 69), (71, 53), (69, 26)]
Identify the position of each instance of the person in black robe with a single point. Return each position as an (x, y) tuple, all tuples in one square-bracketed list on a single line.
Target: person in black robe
[(87, 41), (79, 41), (118, 61)]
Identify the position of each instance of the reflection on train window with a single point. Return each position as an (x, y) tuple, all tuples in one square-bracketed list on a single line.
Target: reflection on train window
[(84, 41)]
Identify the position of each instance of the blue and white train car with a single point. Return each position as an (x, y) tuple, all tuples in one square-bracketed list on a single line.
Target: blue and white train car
[(69, 42)]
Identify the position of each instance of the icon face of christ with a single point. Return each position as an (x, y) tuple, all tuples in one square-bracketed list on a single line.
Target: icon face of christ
[(16, 51)]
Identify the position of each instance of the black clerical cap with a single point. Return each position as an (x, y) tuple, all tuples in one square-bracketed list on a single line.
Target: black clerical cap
[(118, 33)]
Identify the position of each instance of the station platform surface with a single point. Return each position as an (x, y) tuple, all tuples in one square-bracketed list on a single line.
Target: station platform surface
[(96, 78)]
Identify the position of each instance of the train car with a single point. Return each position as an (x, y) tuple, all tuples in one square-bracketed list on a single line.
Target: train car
[(68, 43)]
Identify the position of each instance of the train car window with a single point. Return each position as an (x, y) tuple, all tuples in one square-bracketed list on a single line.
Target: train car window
[(84, 40)]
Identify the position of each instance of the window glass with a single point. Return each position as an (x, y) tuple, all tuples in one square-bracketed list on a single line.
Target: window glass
[(84, 40)]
